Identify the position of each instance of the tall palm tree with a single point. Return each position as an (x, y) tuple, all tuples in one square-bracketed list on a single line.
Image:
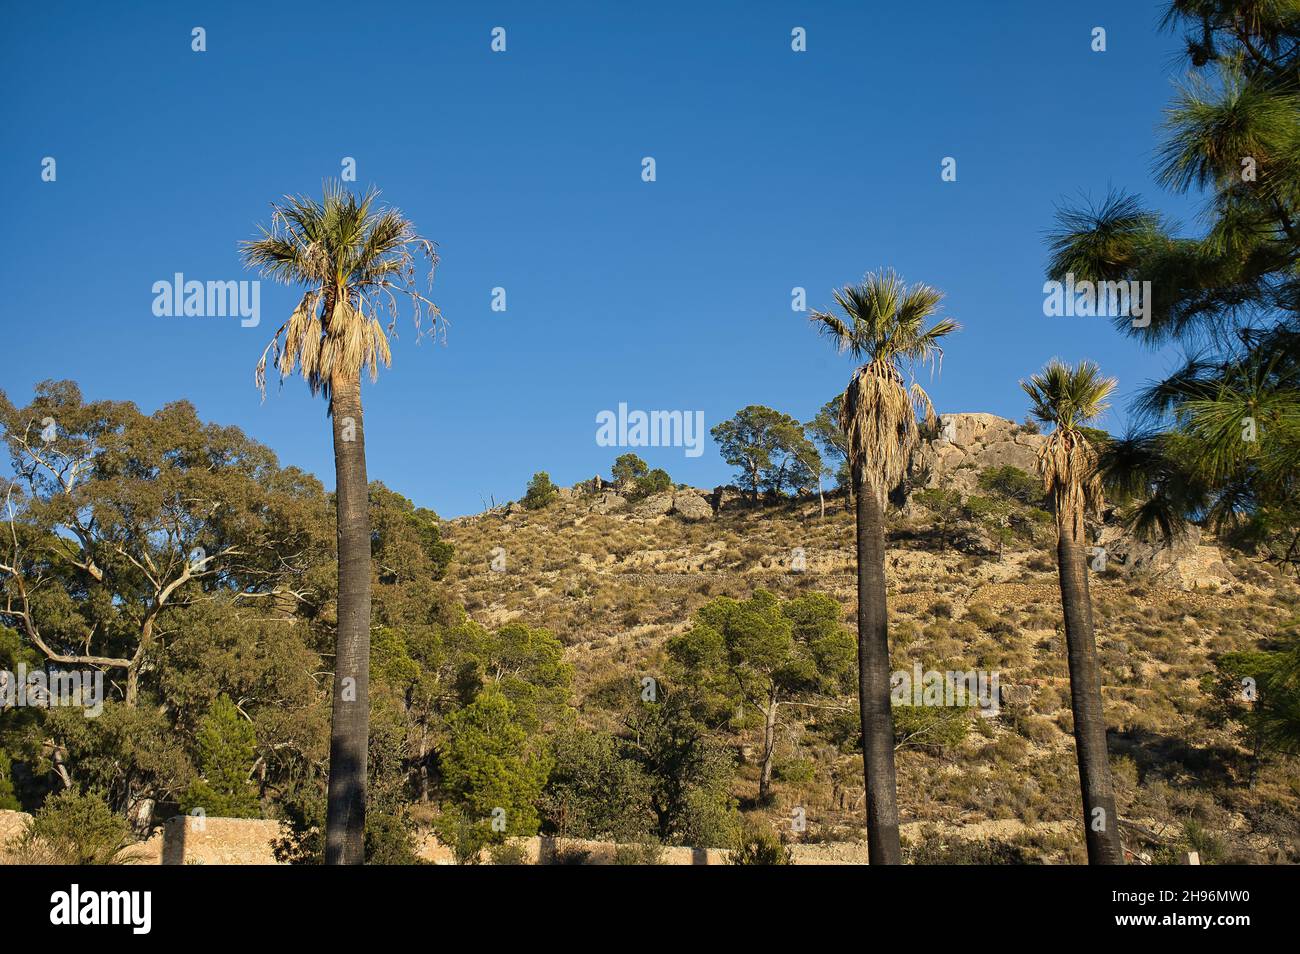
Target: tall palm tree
[(357, 261), (1066, 399), (883, 325)]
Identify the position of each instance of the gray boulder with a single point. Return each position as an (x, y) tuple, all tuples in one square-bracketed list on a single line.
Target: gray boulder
[(656, 505), (606, 502), (691, 506)]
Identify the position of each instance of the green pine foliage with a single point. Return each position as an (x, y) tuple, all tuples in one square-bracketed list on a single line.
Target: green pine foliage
[(225, 743), (541, 492), (8, 799)]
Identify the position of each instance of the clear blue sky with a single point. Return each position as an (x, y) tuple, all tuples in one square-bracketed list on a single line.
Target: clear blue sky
[(775, 169)]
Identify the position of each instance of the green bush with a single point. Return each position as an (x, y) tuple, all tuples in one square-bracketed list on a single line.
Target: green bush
[(8, 799), (796, 771), (466, 837), (643, 851), (74, 829), (508, 853), (759, 845), (936, 729), (655, 482), (541, 492), (1013, 483), (931, 849), (1194, 837), (226, 743)]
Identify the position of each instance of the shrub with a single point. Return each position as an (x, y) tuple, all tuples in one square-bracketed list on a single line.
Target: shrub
[(1040, 563), (465, 836), (1013, 483), (796, 771), (935, 729), (932, 849), (74, 829), (8, 800), (508, 853), (1038, 729), (655, 482), (982, 616), (643, 851), (1194, 837), (541, 492), (226, 744), (759, 845)]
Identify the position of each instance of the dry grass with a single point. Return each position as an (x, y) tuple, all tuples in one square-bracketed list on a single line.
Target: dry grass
[(614, 588)]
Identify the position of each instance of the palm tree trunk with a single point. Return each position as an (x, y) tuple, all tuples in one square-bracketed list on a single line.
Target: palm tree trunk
[(873, 685), (1101, 823), (345, 824)]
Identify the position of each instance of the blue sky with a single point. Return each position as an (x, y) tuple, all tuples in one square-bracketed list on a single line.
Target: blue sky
[(775, 169)]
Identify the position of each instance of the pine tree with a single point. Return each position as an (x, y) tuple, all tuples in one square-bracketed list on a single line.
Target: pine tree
[(226, 743)]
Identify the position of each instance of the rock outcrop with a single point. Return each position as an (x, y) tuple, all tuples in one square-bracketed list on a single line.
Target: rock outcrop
[(606, 502), (1187, 562), (970, 443), (691, 505), (655, 505)]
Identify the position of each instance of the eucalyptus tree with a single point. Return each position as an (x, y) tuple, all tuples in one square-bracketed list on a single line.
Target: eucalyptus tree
[(112, 521), (356, 261), (884, 324), (825, 432), (1066, 399)]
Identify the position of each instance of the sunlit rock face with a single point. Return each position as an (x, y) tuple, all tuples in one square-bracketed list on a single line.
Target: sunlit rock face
[(967, 444)]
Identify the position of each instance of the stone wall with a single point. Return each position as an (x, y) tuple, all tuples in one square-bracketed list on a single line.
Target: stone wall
[(248, 841), (188, 840)]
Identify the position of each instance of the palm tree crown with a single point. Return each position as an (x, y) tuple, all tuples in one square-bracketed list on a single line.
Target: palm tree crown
[(1066, 399), (884, 325), (356, 260)]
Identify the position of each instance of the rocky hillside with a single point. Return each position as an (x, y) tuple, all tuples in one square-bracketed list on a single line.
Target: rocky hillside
[(616, 577)]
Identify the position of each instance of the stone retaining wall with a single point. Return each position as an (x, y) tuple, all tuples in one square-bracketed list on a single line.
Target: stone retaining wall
[(247, 841)]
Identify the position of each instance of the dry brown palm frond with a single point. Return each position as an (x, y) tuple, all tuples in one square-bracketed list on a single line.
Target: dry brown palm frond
[(879, 418), (883, 323), (355, 259), (1067, 463), (924, 407)]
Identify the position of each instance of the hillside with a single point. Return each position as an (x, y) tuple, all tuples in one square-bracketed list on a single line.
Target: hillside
[(615, 578)]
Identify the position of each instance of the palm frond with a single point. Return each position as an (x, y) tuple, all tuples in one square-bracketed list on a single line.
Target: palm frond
[(355, 259), (1067, 398)]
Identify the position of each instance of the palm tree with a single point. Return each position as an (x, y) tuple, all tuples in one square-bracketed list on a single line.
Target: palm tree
[(357, 261), (883, 325), (1067, 398)]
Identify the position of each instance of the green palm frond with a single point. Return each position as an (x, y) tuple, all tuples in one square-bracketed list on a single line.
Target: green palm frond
[(356, 260), (882, 318), (1067, 399), (835, 329), (883, 323)]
